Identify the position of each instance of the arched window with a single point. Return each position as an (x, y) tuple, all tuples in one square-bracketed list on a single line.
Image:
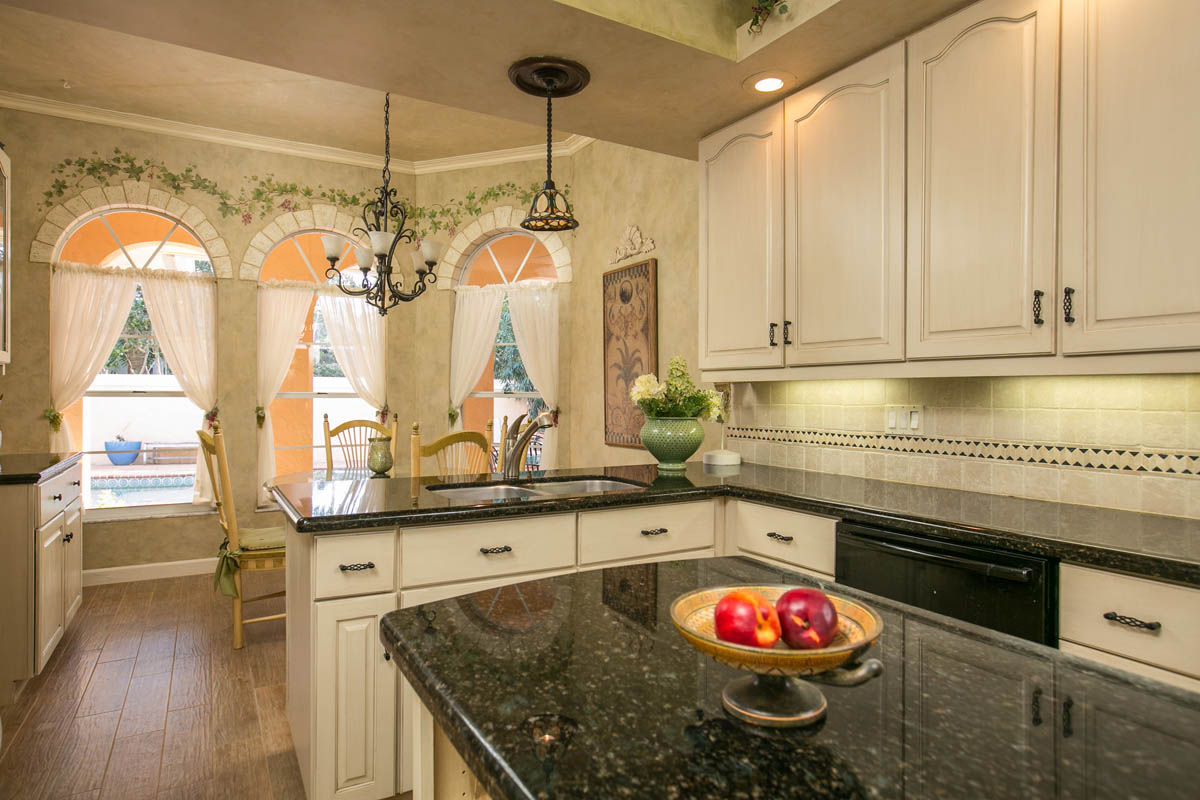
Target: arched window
[(315, 384), (504, 388), (135, 426)]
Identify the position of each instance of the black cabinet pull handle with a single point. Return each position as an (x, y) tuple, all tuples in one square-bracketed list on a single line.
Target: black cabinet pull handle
[(1038, 294), (68, 538), (1068, 731), (787, 331), (1132, 622), (56, 497), (356, 567), (387, 656), (76, 483), (771, 333), (654, 532), (1068, 303), (1037, 706), (491, 551), (779, 537)]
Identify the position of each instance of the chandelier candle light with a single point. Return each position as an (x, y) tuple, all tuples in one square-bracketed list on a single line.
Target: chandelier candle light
[(384, 220), (549, 77)]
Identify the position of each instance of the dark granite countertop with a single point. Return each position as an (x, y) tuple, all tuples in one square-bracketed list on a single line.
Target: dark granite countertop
[(598, 648), (34, 467), (1162, 547)]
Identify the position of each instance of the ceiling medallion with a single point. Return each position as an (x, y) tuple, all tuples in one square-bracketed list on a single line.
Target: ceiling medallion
[(549, 77)]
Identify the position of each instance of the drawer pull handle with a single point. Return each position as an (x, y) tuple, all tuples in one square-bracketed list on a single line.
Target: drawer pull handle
[(76, 483), (1132, 622), (68, 538), (1068, 730), (491, 551), (56, 497), (779, 537), (1037, 306), (1068, 304), (356, 567), (654, 532)]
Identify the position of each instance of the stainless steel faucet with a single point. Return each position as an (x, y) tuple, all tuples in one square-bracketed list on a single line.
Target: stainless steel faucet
[(515, 442)]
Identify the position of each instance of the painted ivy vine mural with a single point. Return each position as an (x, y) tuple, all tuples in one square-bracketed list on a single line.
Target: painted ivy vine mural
[(267, 195)]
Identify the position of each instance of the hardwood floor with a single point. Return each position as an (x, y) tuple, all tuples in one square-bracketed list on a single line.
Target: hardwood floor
[(145, 698)]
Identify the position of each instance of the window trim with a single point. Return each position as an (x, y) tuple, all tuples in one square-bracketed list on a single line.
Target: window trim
[(149, 511)]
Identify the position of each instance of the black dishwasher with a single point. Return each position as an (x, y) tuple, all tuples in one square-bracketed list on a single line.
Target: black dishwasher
[(1009, 592)]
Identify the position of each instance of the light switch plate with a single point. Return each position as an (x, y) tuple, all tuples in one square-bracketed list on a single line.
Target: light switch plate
[(905, 419)]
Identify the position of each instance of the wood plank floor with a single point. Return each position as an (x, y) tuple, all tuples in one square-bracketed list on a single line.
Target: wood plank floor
[(145, 698)]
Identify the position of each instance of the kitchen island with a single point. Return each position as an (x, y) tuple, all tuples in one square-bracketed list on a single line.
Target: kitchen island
[(360, 547), (579, 686)]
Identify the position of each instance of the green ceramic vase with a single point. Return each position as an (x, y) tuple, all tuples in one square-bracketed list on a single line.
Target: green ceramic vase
[(379, 454), (672, 440)]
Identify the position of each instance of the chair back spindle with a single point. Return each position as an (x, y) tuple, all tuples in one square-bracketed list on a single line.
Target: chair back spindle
[(353, 440), (460, 453)]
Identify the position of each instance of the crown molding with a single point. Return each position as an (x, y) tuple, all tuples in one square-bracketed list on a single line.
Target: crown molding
[(139, 122)]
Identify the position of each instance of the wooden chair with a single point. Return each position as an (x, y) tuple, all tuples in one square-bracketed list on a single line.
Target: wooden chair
[(354, 437), (460, 453), (243, 548)]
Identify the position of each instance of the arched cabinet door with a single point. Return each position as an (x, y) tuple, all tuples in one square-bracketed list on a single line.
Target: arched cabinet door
[(982, 141), (741, 243), (1130, 176), (844, 205)]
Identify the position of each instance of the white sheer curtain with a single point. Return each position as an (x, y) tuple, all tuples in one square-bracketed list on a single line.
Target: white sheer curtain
[(357, 333), (88, 309), (533, 307), (183, 314), (282, 312), (476, 319)]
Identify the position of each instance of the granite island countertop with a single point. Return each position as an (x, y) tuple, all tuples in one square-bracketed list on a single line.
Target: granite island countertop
[(644, 718), (1151, 545), (34, 467)]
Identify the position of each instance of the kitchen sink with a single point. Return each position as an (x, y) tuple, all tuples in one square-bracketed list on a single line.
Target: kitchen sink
[(485, 494), (585, 486)]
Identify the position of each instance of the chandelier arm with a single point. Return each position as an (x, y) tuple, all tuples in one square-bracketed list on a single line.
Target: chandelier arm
[(334, 272)]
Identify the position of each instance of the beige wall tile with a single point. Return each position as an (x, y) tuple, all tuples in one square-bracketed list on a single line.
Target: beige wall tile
[(1041, 483), (874, 392), (795, 456), (977, 423), (854, 462), (948, 472), (1080, 426), (946, 421), (1042, 425), (876, 465), (1118, 391), (831, 460), (1166, 429), (1164, 392), (1165, 495), (1118, 490), (976, 475), (1008, 479), (1076, 391), (1008, 393), (1193, 430), (1119, 428), (1077, 486), (1008, 423), (896, 390), (855, 418), (1193, 392), (835, 418), (1193, 507), (1041, 392)]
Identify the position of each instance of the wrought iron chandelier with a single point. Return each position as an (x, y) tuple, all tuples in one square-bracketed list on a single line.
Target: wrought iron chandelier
[(384, 219), (549, 77)]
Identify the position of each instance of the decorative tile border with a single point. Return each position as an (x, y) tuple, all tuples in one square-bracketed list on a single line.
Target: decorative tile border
[(1109, 459)]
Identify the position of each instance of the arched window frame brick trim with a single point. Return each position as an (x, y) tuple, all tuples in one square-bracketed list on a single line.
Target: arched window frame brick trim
[(504, 219), (321, 217)]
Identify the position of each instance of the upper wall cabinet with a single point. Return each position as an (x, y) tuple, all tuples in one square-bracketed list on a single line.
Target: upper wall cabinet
[(1130, 175), (741, 243), (981, 181), (844, 200)]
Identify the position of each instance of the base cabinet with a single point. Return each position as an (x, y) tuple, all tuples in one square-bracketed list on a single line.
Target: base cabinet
[(49, 589), (355, 709), (72, 564), (944, 674)]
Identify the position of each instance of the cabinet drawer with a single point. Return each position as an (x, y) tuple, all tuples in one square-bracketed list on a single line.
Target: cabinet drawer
[(444, 553), (1086, 595), (644, 531), (57, 493), (802, 540), (355, 550)]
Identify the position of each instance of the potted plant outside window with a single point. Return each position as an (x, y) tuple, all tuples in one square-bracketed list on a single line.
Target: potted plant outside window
[(122, 452)]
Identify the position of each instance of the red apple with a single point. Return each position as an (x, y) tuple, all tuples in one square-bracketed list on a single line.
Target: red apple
[(745, 617), (807, 618)]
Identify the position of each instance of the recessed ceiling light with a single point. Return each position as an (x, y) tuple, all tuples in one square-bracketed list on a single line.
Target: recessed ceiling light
[(768, 81), (768, 84)]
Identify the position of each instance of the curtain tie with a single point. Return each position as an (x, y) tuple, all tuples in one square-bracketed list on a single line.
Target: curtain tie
[(55, 418), (260, 415), (210, 416)]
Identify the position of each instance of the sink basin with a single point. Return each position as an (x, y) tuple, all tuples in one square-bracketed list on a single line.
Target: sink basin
[(485, 494), (585, 486)]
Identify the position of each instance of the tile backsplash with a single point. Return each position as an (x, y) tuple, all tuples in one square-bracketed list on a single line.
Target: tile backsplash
[(1128, 441)]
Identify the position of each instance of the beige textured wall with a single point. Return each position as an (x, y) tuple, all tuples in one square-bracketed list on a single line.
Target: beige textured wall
[(618, 186)]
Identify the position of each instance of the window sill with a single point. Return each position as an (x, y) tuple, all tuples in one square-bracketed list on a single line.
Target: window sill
[(146, 512)]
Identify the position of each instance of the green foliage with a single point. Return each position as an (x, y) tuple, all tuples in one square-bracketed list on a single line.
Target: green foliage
[(678, 396), (266, 195), (762, 11), (136, 350), (508, 367)]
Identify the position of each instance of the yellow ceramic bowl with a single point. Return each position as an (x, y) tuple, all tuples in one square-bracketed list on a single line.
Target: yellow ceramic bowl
[(858, 628)]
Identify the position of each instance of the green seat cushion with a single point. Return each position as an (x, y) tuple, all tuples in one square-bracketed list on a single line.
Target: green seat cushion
[(261, 538)]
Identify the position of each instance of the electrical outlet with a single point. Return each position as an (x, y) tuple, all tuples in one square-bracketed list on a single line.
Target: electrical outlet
[(905, 419)]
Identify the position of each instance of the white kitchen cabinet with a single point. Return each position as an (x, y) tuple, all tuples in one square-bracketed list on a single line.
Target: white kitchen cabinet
[(844, 204), (355, 701), (800, 541), (49, 589), (648, 533), (741, 243), (72, 563), (982, 141), (1130, 189)]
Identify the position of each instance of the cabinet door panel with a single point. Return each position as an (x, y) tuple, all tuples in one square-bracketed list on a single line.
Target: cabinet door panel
[(967, 702), (741, 243), (49, 592), (981, 180), (73, 564), (1119, 742), (844, 180), (356, 701), (1130, 174)]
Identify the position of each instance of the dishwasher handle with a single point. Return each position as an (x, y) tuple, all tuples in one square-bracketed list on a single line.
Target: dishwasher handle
[(1016, 574)]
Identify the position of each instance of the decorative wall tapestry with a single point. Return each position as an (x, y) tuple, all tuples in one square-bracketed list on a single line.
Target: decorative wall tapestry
[(630, 346), (267, 195)]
